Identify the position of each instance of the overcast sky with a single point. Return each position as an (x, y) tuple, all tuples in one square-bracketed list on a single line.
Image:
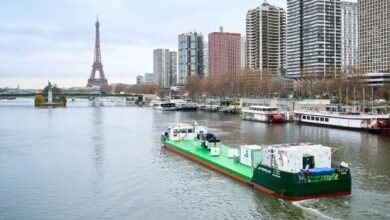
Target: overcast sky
[(42, 39)]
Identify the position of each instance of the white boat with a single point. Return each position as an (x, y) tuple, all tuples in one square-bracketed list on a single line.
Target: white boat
[(165, 106), (131, 101), (189, 106), (154, 103), (263, 114), (359, 121), (229, 109), (182, 105)]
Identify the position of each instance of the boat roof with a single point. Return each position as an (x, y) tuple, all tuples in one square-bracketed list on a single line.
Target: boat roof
[(252, 147), (177, 101), (296, 146), (185, 125), (263, 106), (341, 115)]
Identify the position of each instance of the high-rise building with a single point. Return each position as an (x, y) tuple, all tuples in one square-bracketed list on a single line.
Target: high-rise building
[(164, 67), (243, 52), (140, 80), (206, 58), (349, 34), (266, 39), (173, 68), (149, 79), (374, 35), (313, 36), (224, 53), (191, 61)]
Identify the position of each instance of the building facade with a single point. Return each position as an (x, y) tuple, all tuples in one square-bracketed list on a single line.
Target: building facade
[(173, 68), (149, 79), (224, 53), (206, 58), (140, 80), (266, 39), (164, 67), (377, 79), (313, 37), (243, 52), (191, 60), (374, 35), (349, 35)]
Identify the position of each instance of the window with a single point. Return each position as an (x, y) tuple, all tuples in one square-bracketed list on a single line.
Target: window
[(317, 118), (322, 119), (326, 119), (304, 117), (312, 118)]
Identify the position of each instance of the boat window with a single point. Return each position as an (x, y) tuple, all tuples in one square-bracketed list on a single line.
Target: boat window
[(312, 118), (189, 130), (322, 119), (183, 131), (304, 117), (317, 118), (326, 119)]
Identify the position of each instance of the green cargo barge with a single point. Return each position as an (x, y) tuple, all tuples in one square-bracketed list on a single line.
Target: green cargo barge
[(292, 172)]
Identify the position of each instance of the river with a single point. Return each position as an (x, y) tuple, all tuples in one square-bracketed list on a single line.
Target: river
[(85, 162)]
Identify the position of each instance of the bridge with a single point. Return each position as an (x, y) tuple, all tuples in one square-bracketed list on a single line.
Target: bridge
[(73, 95)]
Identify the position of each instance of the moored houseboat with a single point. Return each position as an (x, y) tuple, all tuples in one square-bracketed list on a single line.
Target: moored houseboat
[(165, 106), (263, 114), (349, 120)]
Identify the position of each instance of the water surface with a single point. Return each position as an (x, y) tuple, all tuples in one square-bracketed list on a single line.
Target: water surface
[(84, 162)]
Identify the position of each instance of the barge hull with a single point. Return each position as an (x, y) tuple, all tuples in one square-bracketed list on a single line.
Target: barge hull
[(298, 198), (276, 187), (290, 187)]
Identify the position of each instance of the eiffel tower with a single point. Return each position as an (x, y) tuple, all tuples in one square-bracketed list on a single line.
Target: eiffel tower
[(97, 63)]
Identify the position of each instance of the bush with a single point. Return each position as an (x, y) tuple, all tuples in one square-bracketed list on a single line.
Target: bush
[(63, 100), (38, 100)]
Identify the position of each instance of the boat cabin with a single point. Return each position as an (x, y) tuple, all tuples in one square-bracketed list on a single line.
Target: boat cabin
[(265, 109), (263, 114), (291, 158), (168, 105), (185, 132)]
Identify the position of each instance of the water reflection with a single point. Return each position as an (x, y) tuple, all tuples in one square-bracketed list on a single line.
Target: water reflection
[(98, 143), (324, 135)]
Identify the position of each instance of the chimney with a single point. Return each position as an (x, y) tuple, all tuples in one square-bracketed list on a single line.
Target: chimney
[(221, 29)]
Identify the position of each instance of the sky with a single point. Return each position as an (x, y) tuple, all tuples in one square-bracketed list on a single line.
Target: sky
[(45, 40)]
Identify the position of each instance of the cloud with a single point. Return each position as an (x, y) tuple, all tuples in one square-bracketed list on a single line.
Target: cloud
[(43, 38)]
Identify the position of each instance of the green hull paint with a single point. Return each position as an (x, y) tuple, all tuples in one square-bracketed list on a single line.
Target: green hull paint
[(299, 185), (291, 186)]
